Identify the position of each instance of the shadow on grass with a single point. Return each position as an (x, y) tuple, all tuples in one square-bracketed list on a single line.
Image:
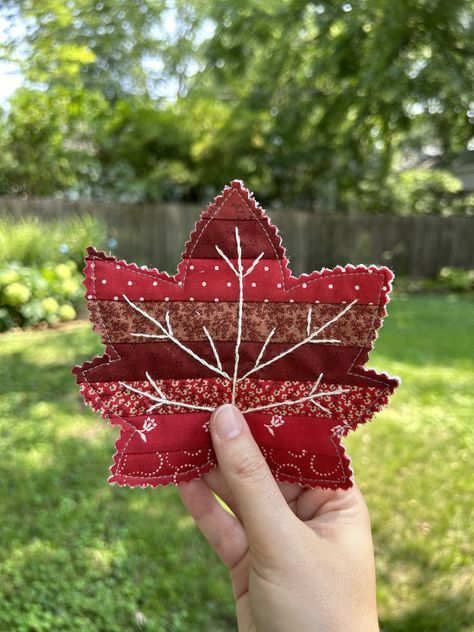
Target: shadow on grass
[(453, 614), (451, 610)]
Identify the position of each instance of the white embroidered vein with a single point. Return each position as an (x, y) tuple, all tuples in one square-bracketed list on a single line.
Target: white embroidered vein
[(162, 400), (311, 338), (167, 333)]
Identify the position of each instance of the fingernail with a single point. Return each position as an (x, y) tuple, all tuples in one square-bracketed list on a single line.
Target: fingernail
[(227, 421)]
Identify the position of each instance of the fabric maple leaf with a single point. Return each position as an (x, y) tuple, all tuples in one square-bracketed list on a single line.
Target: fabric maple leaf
[(233, 325)]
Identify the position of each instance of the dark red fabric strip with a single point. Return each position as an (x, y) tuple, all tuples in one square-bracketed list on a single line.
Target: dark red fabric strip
[(166, 360), (221, 232)]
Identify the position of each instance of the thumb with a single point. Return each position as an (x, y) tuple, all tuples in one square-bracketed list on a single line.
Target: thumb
[(263, 510)]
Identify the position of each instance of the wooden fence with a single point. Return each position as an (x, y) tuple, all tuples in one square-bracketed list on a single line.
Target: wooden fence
[(155, 234)]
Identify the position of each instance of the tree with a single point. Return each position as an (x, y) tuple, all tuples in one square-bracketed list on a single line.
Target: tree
[(50, 140), (342, 87), (313, 104), (101, 43)]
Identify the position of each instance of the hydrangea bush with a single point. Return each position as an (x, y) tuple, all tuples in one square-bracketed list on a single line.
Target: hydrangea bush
[(32, 295), (41, 269)]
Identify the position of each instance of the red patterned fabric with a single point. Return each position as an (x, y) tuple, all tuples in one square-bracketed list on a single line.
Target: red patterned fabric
[(234, 325)]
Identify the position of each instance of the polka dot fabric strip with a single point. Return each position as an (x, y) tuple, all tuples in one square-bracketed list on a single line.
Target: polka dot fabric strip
[(234, 325)]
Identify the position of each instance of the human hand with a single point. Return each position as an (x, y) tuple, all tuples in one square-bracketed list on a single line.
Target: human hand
[(299, 559)]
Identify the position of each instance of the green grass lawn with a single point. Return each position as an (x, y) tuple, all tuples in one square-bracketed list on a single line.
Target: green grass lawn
[(79, 555)]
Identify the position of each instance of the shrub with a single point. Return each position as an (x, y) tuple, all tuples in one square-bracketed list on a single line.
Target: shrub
[(40, 263), (456, 279), (31, 241), (30, 295), (448, 279)]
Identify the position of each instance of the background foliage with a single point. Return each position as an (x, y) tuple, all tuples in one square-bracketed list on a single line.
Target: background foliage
[(317, 104), (41, 269)]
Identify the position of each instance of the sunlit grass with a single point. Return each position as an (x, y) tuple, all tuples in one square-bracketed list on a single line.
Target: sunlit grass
[(79, 555), (413, 466)]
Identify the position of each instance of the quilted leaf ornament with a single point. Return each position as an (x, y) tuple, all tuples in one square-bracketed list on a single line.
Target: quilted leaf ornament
[(233, 325)]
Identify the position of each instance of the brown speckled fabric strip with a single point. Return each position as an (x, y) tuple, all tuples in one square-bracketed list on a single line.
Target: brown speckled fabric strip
[(220, 319)]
